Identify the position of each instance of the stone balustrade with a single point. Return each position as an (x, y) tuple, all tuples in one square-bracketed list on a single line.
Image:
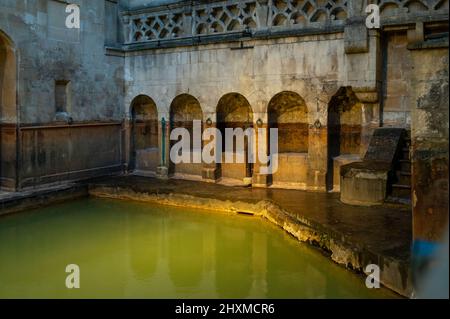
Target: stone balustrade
[(224, 17), (178, 20)]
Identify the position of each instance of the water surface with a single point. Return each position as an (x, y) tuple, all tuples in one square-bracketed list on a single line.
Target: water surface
[(136, 250)]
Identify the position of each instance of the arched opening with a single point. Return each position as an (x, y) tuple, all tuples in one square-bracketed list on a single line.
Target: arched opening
[(344, 133), (8, 114), (183, 111), (234, 111), (144, 135), (287, 112)]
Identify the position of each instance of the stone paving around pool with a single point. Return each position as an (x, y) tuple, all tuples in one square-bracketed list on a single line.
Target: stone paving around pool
[(353, 236)]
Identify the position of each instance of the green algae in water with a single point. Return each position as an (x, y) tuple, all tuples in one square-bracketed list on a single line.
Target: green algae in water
[(137, 250)]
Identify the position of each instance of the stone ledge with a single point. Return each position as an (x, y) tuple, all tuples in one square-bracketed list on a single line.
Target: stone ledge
[(227, 38), (428, 45), (16, 202)]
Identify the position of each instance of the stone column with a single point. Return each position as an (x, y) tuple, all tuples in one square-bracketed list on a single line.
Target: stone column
[(9, 120), (162, 171), (429, 154), (126, 143), (188, 21), (363, 53), (370, 120), (317, 156), (262, 144), (210, 172), (8, 157), (127, 30), (317, 143), (357, 7), (262, 14)]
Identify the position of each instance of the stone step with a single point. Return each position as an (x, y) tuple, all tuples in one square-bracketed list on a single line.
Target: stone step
[(398, 185), (398, 200), (401, 191), (403, 178)]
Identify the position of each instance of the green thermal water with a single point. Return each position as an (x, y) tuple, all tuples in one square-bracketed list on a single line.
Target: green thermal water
[(137, 250)]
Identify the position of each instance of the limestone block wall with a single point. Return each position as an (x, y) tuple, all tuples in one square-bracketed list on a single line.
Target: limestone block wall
[(313, 67), (8, 111), (60, 153), (52, 60), (165, 49), (258, 49), (429, 115), (396, 80)]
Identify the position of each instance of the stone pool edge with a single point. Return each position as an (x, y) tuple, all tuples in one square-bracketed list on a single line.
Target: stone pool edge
[(394, 274), (35, 198)]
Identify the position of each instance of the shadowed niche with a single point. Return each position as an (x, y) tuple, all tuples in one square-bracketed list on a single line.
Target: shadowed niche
[(144, 129), (344, 128)]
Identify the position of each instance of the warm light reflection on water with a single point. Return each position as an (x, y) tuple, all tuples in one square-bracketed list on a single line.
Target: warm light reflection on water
[(136, 250)]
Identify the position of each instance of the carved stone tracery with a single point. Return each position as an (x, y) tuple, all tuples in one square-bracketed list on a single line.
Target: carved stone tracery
[(222, 17)]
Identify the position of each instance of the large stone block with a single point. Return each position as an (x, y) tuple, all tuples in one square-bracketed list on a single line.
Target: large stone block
[(338, 162), (366, 182), (147, 159), (356, 38), (292, 170)]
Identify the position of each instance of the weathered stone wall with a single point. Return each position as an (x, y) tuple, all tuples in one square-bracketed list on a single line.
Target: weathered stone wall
[(396, 80), (396, 75), (312, 67), (430, 115), (66, 94), (57, 154), (211, 49), (49, 53), (8, 112)]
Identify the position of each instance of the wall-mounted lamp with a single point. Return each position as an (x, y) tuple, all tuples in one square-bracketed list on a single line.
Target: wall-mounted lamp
[(259, 122), (209, 121)]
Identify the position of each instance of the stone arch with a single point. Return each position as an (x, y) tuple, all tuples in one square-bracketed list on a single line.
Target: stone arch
[(8, 113), (344, 133), (234, 111), (415, 6), (287, 112), (184, 109), (144, 134), (388, 8)]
